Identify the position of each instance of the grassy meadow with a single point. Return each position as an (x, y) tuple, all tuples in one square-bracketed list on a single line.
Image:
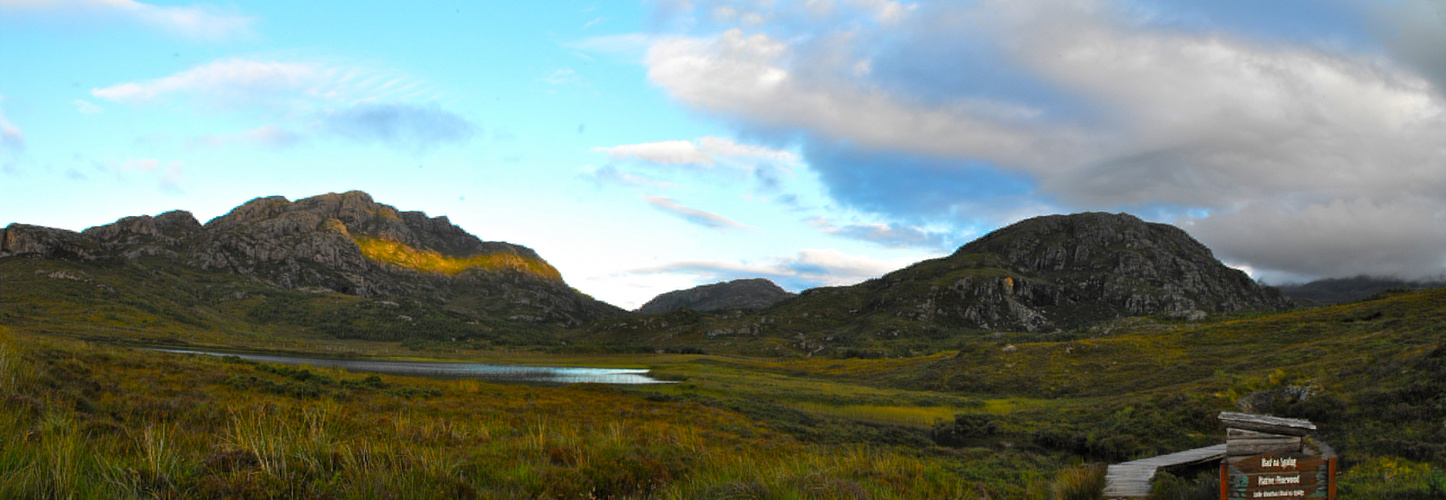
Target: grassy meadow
[(86, 414)]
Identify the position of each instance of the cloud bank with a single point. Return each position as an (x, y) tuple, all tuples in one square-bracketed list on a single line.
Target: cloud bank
[(353, 103), (199, 22), (1284, 136)]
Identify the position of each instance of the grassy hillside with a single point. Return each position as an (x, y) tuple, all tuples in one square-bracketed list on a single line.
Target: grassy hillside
[(154, 300), (975, 415)]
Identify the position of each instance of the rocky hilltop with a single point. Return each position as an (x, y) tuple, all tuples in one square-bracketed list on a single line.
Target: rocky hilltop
[(344, 243), (755, 293), (1054, 272)]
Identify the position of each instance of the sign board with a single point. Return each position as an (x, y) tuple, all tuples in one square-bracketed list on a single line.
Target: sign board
[(1278, 475)]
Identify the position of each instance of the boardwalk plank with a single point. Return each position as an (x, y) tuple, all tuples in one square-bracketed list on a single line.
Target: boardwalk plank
[(1132, 479)]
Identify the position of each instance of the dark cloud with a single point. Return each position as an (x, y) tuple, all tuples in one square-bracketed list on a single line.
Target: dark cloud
[(1255, 119), (399, 125), (1416, 33), (1402, 238)]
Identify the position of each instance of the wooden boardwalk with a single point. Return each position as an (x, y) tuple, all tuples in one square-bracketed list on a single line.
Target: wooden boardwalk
[(1132, 479)]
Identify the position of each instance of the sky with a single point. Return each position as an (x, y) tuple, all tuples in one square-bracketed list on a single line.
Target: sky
[(643, 147)]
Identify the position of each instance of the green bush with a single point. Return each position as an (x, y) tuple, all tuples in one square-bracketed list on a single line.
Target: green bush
[(965, 428)]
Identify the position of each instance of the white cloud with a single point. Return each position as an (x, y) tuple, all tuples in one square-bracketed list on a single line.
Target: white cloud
[(86, 107), (612, 175), (410, 125), (168, 174), (894, 235), (704, 151), (192, 21), (1097, 106), (666, 152), (630, 46), (11, 137), (746, 77), (250, 84), (695, 216), (349, 102), (267, 136), (563, 76), (234, 83)]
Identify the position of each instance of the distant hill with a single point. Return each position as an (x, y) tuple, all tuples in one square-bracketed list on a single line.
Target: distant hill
[(1056, 272), (1046, 274), (1341, 290), (271, 260), (755, 293)]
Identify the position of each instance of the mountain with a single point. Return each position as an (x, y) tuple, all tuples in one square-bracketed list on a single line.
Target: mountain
[(1057, 272), (756, 293), (1042, 275), (275, 255), (1340, 290)]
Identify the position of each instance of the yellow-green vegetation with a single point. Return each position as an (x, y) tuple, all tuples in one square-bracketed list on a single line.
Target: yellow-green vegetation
[(93, 421), (401, 254), (157, 301), (1004, 416)]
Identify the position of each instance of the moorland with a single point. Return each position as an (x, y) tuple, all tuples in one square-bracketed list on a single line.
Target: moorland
[(859, 396)]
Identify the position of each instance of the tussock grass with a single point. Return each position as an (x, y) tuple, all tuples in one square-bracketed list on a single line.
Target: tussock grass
[(1083, 482)]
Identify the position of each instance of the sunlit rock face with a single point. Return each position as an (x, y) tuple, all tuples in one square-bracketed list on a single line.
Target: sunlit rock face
[(343, 242)]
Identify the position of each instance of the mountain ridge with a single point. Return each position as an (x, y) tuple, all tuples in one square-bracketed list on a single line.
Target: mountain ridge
[(1045, 275), (342, 242), (1062, 272)]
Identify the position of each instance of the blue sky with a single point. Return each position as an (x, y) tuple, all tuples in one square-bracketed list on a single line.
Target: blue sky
[(645, 147)]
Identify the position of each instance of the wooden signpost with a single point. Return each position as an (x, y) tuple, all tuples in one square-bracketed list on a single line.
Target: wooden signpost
[(1278, 475), (1265, 459)]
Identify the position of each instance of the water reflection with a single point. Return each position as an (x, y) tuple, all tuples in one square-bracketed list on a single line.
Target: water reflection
[(502, 373)]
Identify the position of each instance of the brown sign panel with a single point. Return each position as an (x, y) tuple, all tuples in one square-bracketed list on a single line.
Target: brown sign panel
[(1277, 475)]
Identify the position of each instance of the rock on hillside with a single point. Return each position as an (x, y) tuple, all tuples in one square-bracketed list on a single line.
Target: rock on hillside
[(1054, 272), (755, 293), (344, 242)]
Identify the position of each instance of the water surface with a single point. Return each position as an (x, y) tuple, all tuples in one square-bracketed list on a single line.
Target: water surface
[(484, 371)]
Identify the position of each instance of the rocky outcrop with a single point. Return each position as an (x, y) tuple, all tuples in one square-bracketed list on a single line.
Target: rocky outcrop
[(756, 293), (25, 239), (319, 243), (1060, 272)]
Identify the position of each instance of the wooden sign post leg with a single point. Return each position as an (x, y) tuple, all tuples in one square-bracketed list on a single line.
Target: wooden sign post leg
[(1225, 481), (1331, 479)]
